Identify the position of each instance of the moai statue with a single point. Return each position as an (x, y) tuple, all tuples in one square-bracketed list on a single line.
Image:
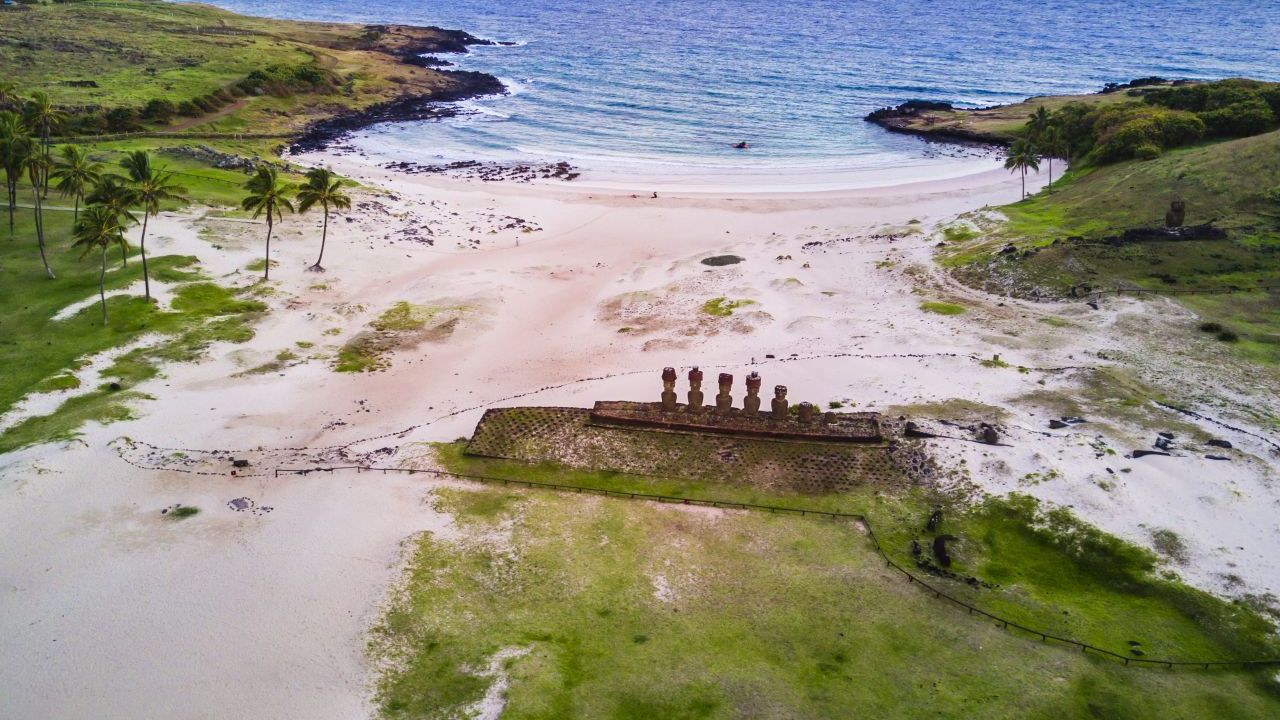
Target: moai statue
[(668, 389), (1176, 215), (695, 391), (806, 413), (779, 402), (751, 403), (828, 418), (724, 401)]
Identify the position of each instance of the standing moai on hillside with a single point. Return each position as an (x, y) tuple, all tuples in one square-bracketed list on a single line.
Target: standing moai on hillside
[(668, 389), (751, 403), (779, 402), (724, 400), (1176, 215), (695, 391)]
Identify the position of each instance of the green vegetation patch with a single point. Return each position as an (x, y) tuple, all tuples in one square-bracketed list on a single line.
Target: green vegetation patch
[(724, 307), (402, 325), (618, 609), (942, 308)]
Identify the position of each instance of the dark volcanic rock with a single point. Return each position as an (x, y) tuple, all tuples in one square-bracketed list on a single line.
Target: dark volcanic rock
[(468, 84)]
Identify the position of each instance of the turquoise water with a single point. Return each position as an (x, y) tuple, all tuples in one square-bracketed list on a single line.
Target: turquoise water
[(673, 83)]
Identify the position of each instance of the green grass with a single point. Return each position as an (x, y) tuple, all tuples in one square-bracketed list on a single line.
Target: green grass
[(942, 308), (724, 307), (181, 512), (629, 609), (36, 351)]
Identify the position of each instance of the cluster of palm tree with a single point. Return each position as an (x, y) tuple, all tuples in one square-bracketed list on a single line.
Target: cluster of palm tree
[(269, 196), (1043, 140), (27, 126)]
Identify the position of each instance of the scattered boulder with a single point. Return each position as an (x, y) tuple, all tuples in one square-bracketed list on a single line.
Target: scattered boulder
[(1056, 424), (240, 463), (1225, 444), (988, 434), (940, 550), (1143, 453), (934, 519), (1216, 457)]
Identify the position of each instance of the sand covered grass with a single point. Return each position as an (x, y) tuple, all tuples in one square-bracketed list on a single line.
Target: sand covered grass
[(42, 353), (613, 608)]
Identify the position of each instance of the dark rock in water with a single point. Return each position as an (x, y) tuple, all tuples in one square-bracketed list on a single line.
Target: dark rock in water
[(1143, 453), (718, 260), (1133, 84), (1216, 457), (1220, 443), (1056, 424), (240, 463)]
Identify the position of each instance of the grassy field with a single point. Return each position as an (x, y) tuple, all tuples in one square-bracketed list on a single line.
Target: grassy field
[(1234, 184), (40, 353), (620, 609), (134, 51)]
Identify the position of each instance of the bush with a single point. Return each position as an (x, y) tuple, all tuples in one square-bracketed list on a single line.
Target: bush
[(1211, 327), (121, 120), (159, 109), (1148, 151), (1229, 336), (1247, 117), (186, 108)]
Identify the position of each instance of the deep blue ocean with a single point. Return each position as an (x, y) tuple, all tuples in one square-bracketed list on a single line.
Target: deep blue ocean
[(675, 82)]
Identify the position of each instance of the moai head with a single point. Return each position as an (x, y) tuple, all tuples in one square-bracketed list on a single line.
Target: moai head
[(724, 400), (695, 390), (695, 377), (751, 404), (780, 402), (668, 389)]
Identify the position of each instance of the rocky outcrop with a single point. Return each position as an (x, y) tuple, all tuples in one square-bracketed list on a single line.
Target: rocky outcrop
[(467, 84), (915, 117)]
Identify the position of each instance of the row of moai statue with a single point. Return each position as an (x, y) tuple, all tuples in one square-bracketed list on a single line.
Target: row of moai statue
[(724, 399)]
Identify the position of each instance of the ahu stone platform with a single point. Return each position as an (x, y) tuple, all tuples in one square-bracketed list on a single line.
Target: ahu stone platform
[(785, 450)]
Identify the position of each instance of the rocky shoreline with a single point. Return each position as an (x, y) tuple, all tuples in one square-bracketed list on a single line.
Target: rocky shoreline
[(901, 119), (412, 46)]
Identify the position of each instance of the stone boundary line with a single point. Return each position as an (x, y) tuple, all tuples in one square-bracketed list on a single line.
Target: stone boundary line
[(803, 512)]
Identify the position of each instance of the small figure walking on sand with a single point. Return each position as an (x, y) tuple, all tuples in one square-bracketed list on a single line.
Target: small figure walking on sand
[(741, 145), (655, 195)]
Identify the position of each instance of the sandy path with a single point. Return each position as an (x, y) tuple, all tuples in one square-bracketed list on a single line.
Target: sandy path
[(113, 611)]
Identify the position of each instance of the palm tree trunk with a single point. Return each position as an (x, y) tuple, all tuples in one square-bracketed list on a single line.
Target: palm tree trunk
[(102, 284), (76, 218), (1050, 185), (266, 267), (324, 233), (12, 191), (35, 191), (124, 255), (142, 246), (1024, 182)]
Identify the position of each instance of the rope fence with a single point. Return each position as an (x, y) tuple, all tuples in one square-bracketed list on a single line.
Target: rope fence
[(1084, 647)]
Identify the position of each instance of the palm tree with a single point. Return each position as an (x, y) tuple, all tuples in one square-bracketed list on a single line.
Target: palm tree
[(37, 166), (1038, 123), (44, 118), (1053, 145), (325, 189), (9, 97), (99, 229), (150, 186), (75, 174), (1023, 156), (114, 193), (267, 194), (15, 145)]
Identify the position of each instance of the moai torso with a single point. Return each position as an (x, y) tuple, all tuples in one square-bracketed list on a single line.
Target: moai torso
[(751, 404), (1176, 215), (806, 413), (780, 402), (668, 389), (695, 391), (724, 400)]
